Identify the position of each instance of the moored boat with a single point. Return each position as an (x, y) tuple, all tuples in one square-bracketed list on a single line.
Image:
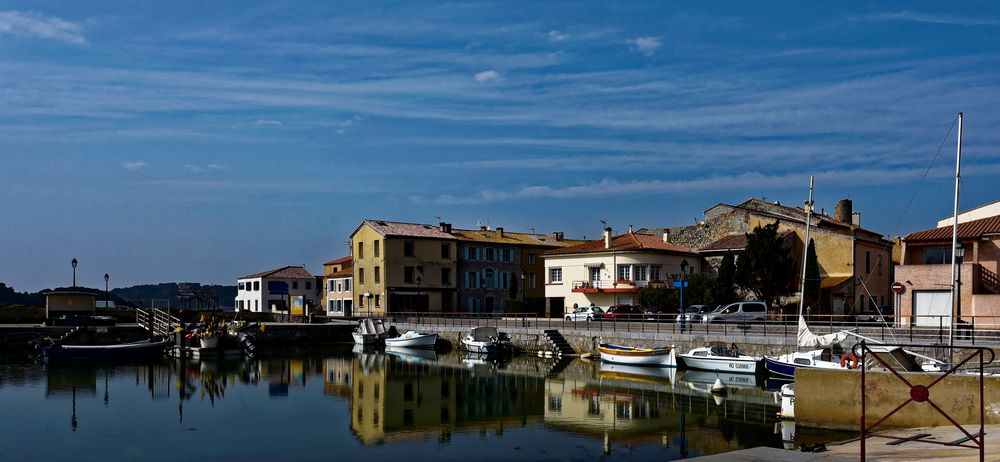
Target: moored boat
[(732, 380), (133, 350), (637, 373), (412, 339), (786, 364), (661, 356), (487, 340), (412, 355), (719, 358), (365, 333)]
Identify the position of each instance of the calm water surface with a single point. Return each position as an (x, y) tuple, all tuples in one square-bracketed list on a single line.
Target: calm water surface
[(340, 404)]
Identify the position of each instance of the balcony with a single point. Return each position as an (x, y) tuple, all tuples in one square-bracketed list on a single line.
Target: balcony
[(610, 286)]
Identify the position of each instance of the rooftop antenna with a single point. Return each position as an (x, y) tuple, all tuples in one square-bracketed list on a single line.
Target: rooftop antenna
[(532, 229), (438, 217), (605, 223)]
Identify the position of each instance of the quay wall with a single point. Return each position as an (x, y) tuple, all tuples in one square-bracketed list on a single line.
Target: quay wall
[(586, 340), (832, 399)]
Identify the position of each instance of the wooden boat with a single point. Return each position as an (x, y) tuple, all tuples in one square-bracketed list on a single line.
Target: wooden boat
[(661, 357), (133, 350), (412, 339), (720, 359), (487, 340)]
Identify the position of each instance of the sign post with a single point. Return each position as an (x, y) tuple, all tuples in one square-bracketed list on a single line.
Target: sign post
[(898, 288)]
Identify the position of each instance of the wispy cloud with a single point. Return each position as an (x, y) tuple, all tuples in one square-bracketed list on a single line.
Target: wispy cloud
[(645, 45), (128, 165), (910, 16), (486, 76), (195, 168), (556, 36), (269, 122), (31, 24)]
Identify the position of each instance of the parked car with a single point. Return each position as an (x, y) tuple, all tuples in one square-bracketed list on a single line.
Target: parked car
[(876, 315), (624, 313), (739, 312), (585, 313), (694, 313)]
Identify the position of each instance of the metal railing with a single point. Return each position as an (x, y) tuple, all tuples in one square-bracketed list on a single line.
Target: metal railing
[(969, 330), (158, 321)]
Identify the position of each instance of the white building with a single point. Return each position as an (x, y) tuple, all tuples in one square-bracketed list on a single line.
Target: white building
[(270, 291), (338, 282), (612, 270)]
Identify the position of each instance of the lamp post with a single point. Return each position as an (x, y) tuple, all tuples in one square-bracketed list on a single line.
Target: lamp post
[(106, 294), (956, 314), (684, 265), (419, 280), (74, 263)]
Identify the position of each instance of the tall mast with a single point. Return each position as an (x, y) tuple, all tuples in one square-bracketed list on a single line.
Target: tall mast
[(954, 243), (805, 248)]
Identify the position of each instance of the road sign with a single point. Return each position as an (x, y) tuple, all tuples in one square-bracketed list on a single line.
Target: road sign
[(898, 287), (679, 284)]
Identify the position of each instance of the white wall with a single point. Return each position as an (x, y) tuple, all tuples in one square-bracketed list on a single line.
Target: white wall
[(575, 269), (259, 300)]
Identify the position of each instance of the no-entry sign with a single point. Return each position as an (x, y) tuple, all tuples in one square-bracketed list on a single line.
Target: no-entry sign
[(898, 287)]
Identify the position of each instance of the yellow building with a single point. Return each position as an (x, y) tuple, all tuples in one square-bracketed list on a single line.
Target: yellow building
[(402, 267), (69, 302)]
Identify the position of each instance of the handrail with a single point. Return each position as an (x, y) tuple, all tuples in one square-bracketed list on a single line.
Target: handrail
[(989, 279)]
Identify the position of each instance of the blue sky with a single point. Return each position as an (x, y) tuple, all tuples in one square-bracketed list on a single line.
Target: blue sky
[(199, 142)]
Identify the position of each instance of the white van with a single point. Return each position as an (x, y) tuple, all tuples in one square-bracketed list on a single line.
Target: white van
[(738, 312)]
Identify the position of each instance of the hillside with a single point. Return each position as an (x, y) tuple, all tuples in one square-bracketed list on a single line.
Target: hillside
[(210, 295)]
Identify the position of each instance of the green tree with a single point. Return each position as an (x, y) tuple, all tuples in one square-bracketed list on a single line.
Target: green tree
[(657, 296), (766, 268), (701, 290), (725, 285), (812, 287)]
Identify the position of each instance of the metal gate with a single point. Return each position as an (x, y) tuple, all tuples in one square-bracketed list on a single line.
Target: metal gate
[(922, 394)]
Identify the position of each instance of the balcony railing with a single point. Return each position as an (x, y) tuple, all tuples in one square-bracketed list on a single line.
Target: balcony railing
[(603, 284)]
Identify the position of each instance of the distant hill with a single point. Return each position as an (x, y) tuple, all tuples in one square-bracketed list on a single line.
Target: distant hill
[(210, 295)]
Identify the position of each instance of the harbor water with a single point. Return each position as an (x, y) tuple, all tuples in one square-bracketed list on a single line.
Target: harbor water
[(349, 404)]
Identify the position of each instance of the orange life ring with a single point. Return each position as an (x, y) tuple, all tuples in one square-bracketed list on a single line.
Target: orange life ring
[(845, 361)]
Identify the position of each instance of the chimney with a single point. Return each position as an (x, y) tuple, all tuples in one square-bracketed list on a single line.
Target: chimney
[(557, 235), (630, 229), (666, 235), (856, 218), (482, 227), (499, 231), (445, 227), (607, 238), (844, 210)]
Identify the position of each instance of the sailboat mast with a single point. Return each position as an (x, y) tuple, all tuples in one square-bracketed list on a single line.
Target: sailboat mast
[(805, 248), (954, 243)]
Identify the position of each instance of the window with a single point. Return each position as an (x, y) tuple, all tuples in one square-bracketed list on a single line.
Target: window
[(879, 265), (347, 285), (446, 276), (445, 251), (507, 255), (640, 273), (332, 285), (375, 249), (868, 262), (295, 284), (256, 305), (361, 275), (361, 250), (378, 300), (309, 285), (654, 273), (531, 280), (473, 304), (489, 278), (531, 258), (241, 286), (256, 285), (505, 279), (241, 304), (471, 280), (407, 248), (555, 275), (938, 256), (378, 275), (489, 254), (408, 274), (624, 272)]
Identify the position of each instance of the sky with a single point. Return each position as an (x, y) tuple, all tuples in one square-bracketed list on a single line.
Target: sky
[(194, 141)]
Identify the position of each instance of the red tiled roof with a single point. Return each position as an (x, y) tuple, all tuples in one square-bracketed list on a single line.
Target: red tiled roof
[(285, 272), (731, 242), (346, 272), (340, 260), (395, 228), (627, 241), (968, 230)]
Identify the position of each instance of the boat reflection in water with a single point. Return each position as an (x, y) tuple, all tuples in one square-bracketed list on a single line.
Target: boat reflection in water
[(362, 399)]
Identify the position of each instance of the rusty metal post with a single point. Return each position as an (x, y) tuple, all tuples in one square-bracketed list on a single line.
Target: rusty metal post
[(864, 423)]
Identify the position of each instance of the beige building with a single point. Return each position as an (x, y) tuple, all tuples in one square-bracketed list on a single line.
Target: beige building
[(612, 270), (925, 271), (338, 287), (403, 267)]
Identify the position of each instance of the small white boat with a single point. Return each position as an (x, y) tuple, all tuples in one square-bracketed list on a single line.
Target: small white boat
[(661, 357), (720, 359), (786, 398), (786, 364), (412, 339), (487, 340), (365, 333)]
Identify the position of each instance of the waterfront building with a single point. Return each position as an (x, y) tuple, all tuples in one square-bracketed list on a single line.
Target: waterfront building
[(925, 271), (269, 291), (403, 267), (496, 266), (338, 289), (612, 270), (69, 302), (854, 262)]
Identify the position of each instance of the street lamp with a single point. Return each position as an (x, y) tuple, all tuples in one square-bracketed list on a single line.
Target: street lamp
[(957, 314), (419, 280), (106, 295), (684, 265), (74, 263)]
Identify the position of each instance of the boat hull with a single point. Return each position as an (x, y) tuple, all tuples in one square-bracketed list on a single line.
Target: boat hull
[(657, 357), (418, 341), (721, 364), (486, 347), (136, 350), (776, 367), (364, 339), (733, 380)]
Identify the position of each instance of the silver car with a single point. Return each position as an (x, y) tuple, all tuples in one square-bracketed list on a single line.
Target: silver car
[(694, 313), (737, 313), (585, 313)]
